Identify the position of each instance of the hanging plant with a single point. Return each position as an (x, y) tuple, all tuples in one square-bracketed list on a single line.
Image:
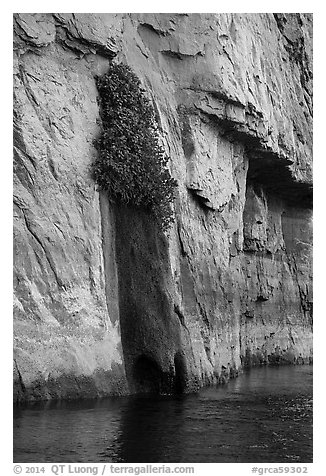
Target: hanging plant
[(131, 165)]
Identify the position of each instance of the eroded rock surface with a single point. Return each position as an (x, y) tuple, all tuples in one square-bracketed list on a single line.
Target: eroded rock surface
[(105, 304)]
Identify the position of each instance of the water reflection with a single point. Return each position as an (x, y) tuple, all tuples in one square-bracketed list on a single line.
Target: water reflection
[(264, 415), (150, 428)]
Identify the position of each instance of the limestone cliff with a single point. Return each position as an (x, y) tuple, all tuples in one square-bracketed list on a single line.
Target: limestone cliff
[(104, 302)]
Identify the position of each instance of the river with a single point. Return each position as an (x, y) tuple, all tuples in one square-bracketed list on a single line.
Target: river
[(264, 415)]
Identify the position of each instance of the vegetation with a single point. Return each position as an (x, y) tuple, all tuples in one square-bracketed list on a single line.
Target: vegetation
[(131, 165)]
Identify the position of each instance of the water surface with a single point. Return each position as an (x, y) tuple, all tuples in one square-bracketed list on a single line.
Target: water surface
[(264, 415)]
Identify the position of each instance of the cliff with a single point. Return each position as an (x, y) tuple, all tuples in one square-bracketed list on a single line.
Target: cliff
[(104, 302)]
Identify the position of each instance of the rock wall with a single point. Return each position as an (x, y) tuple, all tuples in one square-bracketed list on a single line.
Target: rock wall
[(104, 302)]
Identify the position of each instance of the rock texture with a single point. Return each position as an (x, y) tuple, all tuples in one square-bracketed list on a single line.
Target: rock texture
[(104, 302)]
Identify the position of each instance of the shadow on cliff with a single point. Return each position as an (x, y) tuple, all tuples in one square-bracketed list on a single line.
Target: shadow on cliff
[(150, 329)]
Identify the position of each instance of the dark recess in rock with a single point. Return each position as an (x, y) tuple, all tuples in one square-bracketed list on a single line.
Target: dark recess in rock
[(273, 174), (147, 375), (180, 366)]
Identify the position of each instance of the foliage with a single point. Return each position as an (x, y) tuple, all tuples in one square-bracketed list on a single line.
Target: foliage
[(131, 165)]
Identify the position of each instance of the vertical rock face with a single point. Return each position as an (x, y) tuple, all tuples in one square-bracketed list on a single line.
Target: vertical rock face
[(67, 337), (104, 302)]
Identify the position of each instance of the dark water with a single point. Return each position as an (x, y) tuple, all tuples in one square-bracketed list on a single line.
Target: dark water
[(264, 415)]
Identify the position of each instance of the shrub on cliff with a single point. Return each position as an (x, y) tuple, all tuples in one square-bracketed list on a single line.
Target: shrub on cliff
[(131, 165)]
